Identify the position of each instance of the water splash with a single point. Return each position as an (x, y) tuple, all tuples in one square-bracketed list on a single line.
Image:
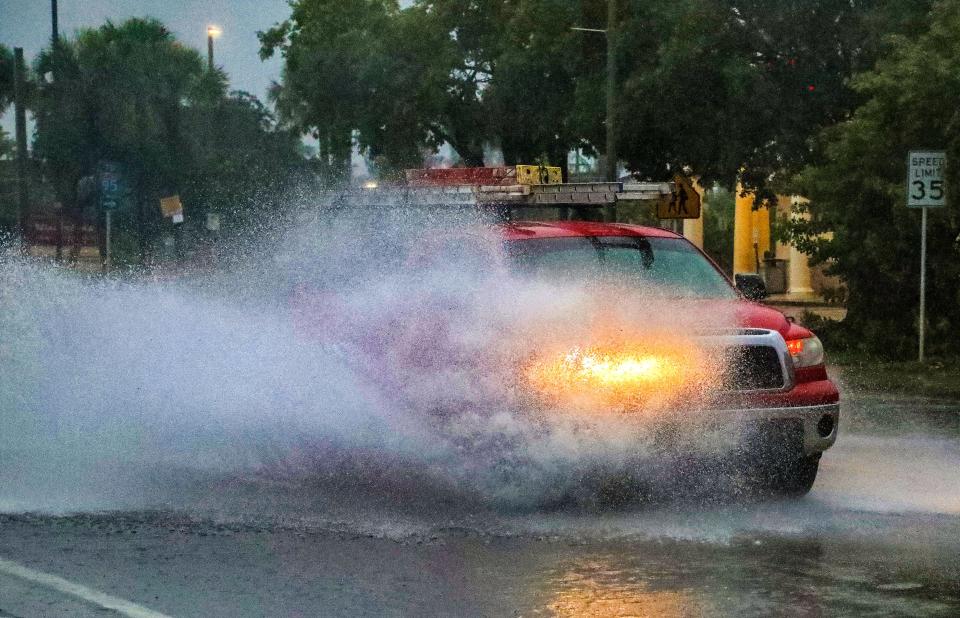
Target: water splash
[(370, 349)]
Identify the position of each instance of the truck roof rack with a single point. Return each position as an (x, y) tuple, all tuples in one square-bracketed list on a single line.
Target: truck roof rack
[(505, 187)]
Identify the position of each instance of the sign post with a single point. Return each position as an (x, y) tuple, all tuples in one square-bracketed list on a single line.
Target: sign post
[(925, 189), (172, 207), (110, 194)]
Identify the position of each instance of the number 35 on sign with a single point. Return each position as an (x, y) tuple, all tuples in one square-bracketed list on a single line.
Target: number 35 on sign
[(925, 181)]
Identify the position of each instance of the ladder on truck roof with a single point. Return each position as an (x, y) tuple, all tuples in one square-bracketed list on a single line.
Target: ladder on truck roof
[(504, 188)]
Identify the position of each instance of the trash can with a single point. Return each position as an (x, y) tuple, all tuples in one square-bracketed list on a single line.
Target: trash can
[(774, 273)]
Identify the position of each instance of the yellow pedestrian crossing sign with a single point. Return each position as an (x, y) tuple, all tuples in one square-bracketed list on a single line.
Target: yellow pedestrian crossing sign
[(683, 202)]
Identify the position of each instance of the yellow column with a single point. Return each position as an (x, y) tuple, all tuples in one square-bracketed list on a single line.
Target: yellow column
[(783, 211), (761, 231), (743, 258), (799, 281), (693, 228)]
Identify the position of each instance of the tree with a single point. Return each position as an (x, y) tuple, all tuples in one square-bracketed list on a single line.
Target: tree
[(532, 92), (8, 192), (473, 33), (6, 78), (472, 74), (401, 119), (8, 147), (401, 79), (717, 85), (330, 50), (242, 162), (117, 95), (132, 94), (858, 223), (723, 85)]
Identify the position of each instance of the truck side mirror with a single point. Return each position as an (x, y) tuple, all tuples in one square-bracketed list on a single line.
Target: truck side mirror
[(751, 285)]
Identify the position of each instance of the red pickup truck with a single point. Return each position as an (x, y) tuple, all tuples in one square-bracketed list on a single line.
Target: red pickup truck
[(714, 363), (765, 374)]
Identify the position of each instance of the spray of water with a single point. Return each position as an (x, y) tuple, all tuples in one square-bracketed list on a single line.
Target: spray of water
[(363, 360), (362, 349)]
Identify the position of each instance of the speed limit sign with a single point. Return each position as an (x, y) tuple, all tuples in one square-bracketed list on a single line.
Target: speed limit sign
[(925, 190), (925, 182)]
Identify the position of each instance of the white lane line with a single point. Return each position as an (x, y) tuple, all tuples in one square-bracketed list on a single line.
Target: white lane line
[(100, 599)]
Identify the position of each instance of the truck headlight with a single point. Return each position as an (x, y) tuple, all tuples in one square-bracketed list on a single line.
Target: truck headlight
[(633, 375), (806, 352)]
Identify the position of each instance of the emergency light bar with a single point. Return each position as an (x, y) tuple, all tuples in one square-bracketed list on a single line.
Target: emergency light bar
[(485, 176)]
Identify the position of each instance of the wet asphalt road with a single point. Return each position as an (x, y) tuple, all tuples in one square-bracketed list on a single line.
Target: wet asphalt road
[(879, 535)]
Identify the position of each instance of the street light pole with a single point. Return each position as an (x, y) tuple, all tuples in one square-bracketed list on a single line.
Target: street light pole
[(212, 33)]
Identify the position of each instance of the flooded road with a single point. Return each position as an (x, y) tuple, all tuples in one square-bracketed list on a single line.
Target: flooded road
[(879, 535)]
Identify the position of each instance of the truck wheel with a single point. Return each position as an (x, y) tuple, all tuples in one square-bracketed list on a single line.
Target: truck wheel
[(619, 491), (794, 478)]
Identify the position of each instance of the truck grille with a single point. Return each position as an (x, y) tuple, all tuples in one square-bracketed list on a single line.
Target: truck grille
[(753, 368)]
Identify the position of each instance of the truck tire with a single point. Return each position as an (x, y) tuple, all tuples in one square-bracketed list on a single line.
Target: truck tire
[(793, 478)]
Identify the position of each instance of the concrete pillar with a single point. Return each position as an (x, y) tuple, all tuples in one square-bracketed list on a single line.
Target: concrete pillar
[(799, 280), (743, 257), (693, 228)]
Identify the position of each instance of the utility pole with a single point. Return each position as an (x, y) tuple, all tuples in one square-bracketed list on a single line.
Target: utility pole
[(20, 119), (55, 60), (610, 173), (612, 176)]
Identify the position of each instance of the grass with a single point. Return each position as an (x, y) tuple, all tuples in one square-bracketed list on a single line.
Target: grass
[(933, 378)]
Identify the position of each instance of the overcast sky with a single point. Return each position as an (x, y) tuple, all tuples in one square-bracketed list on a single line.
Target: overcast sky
[(26, 24)]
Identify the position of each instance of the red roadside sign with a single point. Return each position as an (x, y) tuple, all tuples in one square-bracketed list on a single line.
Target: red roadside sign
[(46, 231)]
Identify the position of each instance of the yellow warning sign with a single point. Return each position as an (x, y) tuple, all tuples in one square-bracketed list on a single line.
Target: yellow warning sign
[(171, 206), (538, 175), (681, 203)]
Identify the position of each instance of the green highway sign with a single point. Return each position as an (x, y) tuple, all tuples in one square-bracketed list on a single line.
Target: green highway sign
[(110, 185)]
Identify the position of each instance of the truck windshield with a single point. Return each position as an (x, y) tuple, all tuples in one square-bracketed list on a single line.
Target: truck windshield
[(669, 266)]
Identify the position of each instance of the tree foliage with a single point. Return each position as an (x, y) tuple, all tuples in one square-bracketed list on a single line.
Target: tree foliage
[(131, 93), (533, 92), (716, 85), (6, 78), (330, 50), (439, 71), (242, 162), (858, 221), (117, 93), (751, 89), (728, 85)]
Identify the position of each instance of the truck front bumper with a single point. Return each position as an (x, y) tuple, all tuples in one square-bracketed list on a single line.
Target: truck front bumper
[(819, 422)]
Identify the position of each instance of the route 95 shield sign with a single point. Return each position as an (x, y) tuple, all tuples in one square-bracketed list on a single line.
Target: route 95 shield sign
[(925, 178)]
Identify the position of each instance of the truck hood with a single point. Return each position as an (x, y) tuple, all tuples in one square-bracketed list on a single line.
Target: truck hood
[(754, 315), (748, 314)]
